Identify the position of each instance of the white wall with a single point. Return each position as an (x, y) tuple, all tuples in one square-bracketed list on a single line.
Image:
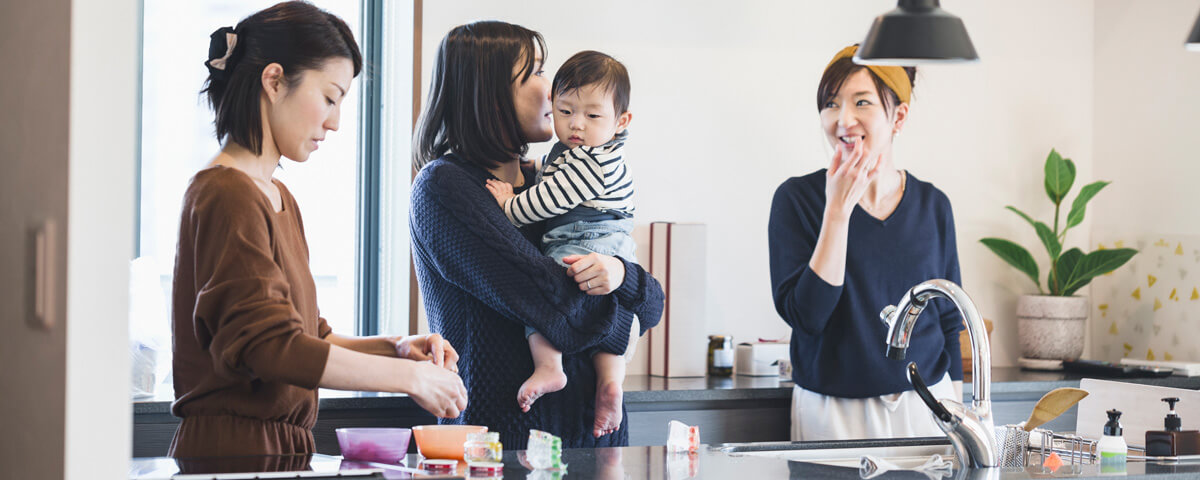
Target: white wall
[(103, 157), (982, 134), (1145, 128), (724, 111), (1146, 117)]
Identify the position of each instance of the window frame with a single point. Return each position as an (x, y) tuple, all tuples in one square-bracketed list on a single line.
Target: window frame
[(370, 158), (371, 289), (384, 253)]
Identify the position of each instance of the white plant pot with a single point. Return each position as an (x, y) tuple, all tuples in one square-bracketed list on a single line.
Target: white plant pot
[(1052, 328)]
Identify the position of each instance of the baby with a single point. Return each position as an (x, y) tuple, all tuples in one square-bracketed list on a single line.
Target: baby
[(584, 193)]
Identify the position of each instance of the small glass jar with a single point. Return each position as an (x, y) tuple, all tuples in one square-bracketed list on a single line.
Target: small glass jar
[(720, 355), (483, 447)]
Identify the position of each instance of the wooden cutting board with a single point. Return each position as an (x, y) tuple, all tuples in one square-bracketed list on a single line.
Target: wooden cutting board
[(1140, 405)]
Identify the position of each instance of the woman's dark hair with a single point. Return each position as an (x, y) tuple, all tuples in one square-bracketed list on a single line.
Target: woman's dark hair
[(296, 35), (839, 71), (590, 67), (470, 109)]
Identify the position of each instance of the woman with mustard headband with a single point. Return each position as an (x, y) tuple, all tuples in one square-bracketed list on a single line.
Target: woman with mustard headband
[(845, 242)]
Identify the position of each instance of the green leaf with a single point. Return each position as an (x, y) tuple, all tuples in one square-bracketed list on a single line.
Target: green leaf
[(1049, 239), (1079, 206), (1060, 175), (1097, 263), (1065, 267), (1015, 255), (1023, 215)]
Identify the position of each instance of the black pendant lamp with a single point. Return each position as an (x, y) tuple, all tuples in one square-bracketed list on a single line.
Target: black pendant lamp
[(1193, 41), (916, 32)]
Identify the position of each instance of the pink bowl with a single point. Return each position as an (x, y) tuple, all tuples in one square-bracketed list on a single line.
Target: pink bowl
[(444, 441), (385, 445)]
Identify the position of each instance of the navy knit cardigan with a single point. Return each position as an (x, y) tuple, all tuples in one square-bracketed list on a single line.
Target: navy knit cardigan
[(838, 341), (484, 280)]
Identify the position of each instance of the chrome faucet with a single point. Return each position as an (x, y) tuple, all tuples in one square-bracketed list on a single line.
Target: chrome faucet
[(971, 430)]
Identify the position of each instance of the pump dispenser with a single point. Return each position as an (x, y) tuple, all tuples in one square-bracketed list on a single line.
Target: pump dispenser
[(1172, 440), (1112, 445), (1172, 423)]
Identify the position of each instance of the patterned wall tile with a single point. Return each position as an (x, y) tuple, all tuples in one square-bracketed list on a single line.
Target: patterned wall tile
[(1150, 307)]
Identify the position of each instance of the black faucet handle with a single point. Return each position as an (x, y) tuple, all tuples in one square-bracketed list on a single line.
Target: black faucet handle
[(939, 410), (1171, 401)]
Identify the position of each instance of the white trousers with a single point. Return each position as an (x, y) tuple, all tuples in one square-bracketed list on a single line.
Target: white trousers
[(822, 417)]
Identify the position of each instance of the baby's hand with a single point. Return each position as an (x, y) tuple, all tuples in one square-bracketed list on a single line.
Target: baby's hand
[(501, 190)]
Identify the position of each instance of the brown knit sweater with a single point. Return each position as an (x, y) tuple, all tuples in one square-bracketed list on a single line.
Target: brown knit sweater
[(247, 334)]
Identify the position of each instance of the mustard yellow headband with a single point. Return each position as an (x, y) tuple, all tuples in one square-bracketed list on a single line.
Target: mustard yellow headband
[(894, 77)]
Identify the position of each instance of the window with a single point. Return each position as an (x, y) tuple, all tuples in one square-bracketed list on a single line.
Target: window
[(333, 188)]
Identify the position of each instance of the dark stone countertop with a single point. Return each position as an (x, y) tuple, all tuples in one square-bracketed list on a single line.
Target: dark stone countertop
[(645, 389), (655, 463), (1015, 380), (638, 389)]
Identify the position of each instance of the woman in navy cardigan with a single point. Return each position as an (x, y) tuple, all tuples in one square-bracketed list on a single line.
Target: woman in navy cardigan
[(482, 279), (849, 240)]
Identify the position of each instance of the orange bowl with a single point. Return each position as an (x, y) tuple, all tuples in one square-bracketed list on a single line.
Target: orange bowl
[(443, 441)]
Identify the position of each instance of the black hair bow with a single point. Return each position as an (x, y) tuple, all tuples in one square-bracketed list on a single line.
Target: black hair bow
[(221, 46)]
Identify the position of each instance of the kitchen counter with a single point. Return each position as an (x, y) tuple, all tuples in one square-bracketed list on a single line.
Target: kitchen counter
[(737, 409), (654, 463), (730, 410), (648, 389), (638, 389), (1008, 380)]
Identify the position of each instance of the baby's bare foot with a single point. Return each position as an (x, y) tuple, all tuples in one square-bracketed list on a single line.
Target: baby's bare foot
[(608, 409), (543, 381)]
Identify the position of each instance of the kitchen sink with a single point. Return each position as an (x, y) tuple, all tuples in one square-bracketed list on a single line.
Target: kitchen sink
[(906, 453)]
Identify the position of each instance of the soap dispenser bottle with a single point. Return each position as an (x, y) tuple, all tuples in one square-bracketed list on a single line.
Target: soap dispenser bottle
[(1112, 445), (1172, 440)]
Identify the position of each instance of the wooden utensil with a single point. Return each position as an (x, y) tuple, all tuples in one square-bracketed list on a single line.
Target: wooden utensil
[(1053, 404)]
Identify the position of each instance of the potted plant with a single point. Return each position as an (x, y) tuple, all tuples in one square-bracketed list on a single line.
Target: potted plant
[(1051, 325)]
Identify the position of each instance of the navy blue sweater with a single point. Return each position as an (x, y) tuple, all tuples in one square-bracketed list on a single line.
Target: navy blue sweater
[(484, 280), (837, 338)]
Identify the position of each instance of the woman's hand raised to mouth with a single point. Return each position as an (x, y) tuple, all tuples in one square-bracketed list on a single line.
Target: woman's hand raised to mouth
[(847, 179)]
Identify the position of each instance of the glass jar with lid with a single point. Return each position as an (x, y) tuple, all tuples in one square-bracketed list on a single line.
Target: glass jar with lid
[(483, 447), (720, 355)]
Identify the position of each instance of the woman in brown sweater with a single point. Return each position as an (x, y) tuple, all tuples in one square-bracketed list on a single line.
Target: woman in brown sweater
[(250, 346)]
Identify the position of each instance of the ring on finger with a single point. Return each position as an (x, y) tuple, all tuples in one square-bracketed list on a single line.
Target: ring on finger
[(589, 284)]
